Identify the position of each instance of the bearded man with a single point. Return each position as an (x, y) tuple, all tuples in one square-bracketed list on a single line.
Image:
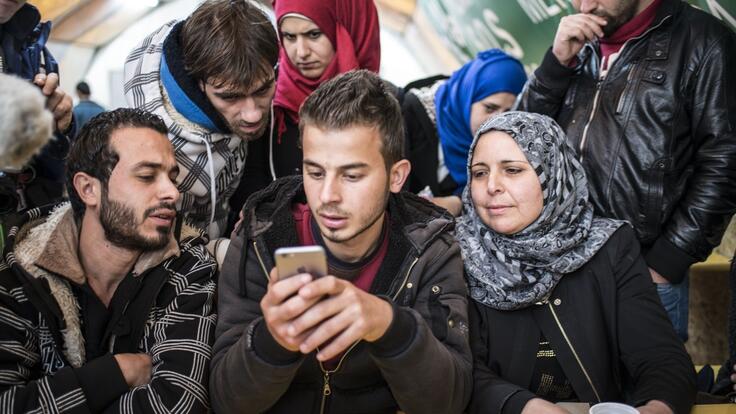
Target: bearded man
[(106, 303), (644, 91)]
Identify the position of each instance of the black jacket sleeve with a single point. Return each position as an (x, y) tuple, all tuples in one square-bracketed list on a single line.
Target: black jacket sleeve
[(653, 355), (702, 215), (546, 88), (491, 393)]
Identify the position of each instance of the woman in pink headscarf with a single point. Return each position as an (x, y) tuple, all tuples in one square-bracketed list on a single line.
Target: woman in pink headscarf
[(319, 40)]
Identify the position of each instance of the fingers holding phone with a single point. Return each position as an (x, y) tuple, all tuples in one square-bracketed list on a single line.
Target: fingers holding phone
[(295, 268), (281, 304), (346, 314)]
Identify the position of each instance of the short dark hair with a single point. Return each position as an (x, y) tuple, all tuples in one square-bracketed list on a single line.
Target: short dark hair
[(83, 88), (231, 41), (92, 153), (355, 98)]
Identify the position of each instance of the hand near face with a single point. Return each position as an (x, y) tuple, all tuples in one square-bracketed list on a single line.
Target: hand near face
[(302, 314), (572, 34), (57, 101)]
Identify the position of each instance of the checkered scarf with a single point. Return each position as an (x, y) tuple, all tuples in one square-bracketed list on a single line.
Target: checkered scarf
[(508, 272), (211, 163)]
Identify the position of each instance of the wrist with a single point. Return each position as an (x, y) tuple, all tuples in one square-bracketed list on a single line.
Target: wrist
[(385, 315), (655, 407)]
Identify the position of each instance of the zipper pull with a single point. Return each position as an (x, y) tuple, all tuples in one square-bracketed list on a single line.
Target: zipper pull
[(326, 390)]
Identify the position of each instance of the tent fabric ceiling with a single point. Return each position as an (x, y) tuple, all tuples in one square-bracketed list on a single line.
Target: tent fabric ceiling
[(95, 23)]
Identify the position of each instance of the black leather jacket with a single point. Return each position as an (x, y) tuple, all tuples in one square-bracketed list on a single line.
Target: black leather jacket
[(660, 145)]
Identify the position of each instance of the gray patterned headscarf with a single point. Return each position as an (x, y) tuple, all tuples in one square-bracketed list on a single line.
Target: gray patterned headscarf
[(508, 272)]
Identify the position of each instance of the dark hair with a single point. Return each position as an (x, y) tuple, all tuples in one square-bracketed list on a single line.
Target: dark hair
[(358, 97), (230, 41), (83, 88), (92, 153)]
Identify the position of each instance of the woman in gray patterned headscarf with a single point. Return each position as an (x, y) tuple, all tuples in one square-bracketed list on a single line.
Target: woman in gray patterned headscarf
[(550, 279)]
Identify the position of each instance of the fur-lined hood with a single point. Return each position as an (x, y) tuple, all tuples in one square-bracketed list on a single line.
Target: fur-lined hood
[(44, 243)]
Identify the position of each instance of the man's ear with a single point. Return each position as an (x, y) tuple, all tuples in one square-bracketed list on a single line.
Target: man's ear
[(398, 175), (88, 188)]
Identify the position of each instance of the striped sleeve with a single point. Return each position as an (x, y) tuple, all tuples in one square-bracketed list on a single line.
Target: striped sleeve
[(179, 339), (22, 389)]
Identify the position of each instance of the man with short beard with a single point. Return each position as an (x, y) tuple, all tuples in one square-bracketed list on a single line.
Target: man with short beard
[(211, 77), (386, 330), (644, 90), (106, 303)]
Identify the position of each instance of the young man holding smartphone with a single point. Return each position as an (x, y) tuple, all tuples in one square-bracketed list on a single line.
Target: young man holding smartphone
[(386, 329)]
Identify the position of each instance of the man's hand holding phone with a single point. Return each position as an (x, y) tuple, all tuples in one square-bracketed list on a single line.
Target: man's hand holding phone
[(303, 313)]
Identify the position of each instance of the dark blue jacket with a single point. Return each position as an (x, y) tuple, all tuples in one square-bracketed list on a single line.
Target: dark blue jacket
[(23, 40)]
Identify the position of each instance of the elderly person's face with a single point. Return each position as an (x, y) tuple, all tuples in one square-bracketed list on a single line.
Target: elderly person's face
[(505, 190)]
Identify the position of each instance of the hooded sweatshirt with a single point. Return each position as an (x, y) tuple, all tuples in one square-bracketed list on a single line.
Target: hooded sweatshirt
[(211, 158)]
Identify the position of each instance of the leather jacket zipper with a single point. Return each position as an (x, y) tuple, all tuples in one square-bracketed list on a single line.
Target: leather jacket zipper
[(326, 389), (599, 83), (590, 118), (564, 334), (627, 88)]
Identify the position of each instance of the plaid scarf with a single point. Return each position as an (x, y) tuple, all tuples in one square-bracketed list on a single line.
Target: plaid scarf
[(211, 162)]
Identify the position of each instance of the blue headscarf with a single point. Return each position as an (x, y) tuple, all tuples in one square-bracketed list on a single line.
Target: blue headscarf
[(492, 71)]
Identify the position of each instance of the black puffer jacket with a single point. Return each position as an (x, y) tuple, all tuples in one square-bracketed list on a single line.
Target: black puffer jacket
[(660, 145), (608, 330)]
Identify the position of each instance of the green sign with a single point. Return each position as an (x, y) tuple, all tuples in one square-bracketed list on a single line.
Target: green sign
[(524, 28)]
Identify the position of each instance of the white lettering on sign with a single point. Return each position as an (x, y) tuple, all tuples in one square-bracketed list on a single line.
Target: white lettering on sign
[(539, 11), (475, 34)]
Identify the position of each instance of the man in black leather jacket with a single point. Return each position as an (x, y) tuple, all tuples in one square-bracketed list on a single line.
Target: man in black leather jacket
[(645, 89)]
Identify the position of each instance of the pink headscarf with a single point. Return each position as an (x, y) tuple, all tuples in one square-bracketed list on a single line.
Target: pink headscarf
[(351, 26)]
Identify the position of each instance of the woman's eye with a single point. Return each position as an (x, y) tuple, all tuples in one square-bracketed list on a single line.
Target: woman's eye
[(288, 36), (513, 170), (315, 35), (479, 174)]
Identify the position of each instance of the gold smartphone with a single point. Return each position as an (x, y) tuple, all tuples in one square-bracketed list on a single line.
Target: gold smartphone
[(292, 261)]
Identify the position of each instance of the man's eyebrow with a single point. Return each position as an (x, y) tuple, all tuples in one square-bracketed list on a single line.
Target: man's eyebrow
[(353, 166), (155, 166), (266, 85), (311, 163), (148, 164)]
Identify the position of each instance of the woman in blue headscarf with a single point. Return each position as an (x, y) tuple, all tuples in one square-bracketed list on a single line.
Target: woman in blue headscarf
[(441, 116)]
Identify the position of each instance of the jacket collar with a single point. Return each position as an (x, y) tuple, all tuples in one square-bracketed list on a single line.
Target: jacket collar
[(52, 245)]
